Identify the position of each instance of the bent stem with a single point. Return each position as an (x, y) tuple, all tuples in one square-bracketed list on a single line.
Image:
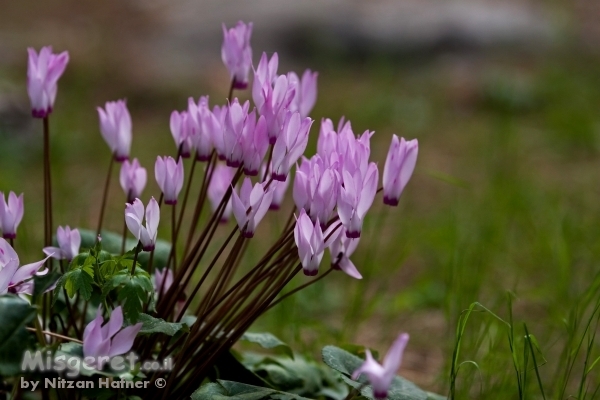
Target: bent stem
[(56, 335)]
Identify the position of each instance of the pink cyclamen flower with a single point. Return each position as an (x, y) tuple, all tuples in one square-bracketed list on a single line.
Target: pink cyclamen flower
[(219, 183), (115, 126), (236, 121), (134, 214), (264, 75), (133, 179), (311, 242), (14, 279), (382, 375), (290, 144), (316, 188), (399, 166), (68, 240), (277, 98), (341, 249), (169, 176), (203, 127), (11, 214), (355, 197), (236, 53), (181, 130), (255, 143), (43, 71), (250, 206), (305, 92), (109, 340)]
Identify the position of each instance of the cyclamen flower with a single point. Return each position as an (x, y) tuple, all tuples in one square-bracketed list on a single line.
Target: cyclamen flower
[(134, 214), (180, 129), (341, 249), (115, 126), (169, 176), (133, 179), (68, 240), (236, 121), (14, 279), (109, 340), (305, 92), (250, 206), (290, 144), (264, 75), (311, 243), (255, 143), (43, 71), (11, 214), (355, 197), (236, 53), (381, 376), (203, 126), (277, 98), (219, 183), (315, 189), (399, 166)]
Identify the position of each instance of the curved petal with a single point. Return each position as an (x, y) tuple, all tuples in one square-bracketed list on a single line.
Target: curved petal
[(123, 341)]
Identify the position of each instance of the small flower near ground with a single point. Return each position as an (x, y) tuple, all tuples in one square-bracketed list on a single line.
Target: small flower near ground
[(115, 126), (43, 71), (68, 240), (134, 214), (236, 53), (11, 214), (399, 166), (108, 340), (382, 375), (14, 279)]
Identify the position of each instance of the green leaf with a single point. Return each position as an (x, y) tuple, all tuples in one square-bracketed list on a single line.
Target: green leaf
[(14, 339), (346, 363), (157, 325), (240, 391), (80, 280), (268, 341)]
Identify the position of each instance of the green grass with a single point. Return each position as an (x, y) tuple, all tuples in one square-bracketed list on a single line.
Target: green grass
[(503, 210)]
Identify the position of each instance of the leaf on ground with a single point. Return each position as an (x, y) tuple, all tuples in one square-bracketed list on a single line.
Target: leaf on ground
[(268, 341), (157, 325)]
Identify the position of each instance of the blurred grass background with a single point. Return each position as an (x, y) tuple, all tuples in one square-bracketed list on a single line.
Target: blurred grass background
[(504, 197)]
